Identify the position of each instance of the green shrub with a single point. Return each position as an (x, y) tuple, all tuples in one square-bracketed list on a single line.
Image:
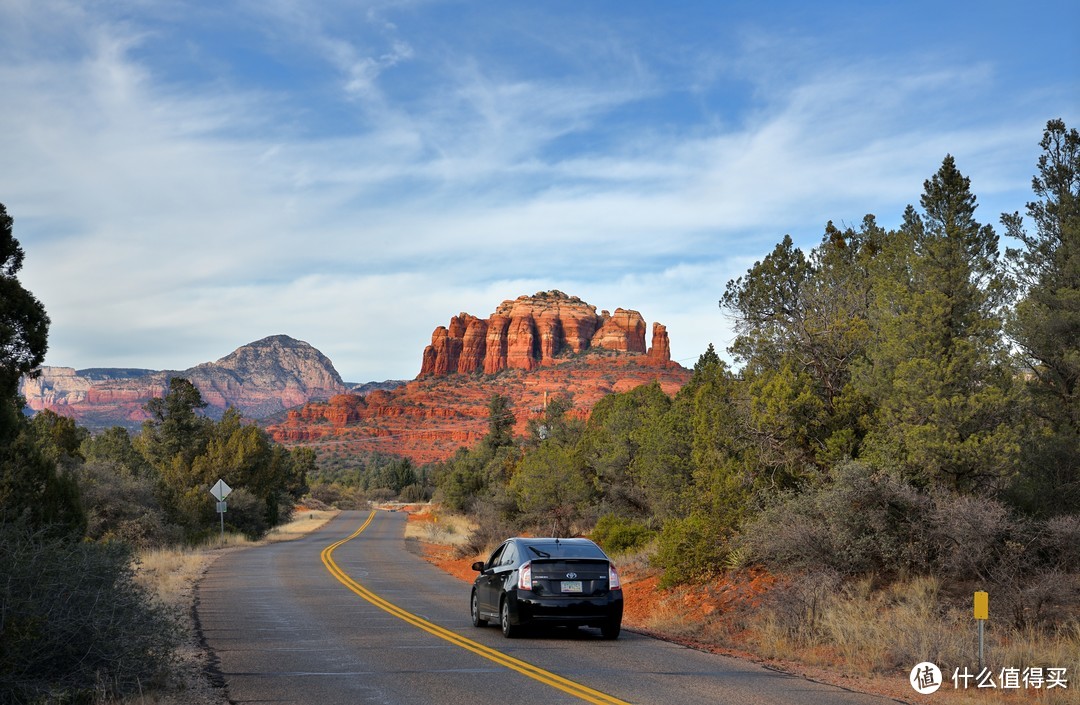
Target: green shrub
[(860, 521), (246, 513), (692, 549), (617, 535), (74, 625), (123, 506), (414, 493)]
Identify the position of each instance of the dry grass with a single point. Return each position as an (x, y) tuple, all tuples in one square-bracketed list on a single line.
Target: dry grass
[(883, 633), (672, 619), (428, 523), (304, 522), (171, 572)]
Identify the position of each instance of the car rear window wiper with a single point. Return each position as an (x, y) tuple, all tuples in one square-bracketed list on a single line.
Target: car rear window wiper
[(542, 554)]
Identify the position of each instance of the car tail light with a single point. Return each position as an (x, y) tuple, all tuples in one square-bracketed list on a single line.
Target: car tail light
[(525, 576), (613, 578)]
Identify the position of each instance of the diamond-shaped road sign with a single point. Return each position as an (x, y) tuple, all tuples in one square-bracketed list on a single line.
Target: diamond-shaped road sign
[(220, 490)]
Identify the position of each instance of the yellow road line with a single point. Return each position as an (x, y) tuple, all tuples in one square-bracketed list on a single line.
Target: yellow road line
[(534, 672)]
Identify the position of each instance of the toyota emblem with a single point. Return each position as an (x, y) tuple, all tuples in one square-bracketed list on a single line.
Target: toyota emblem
[(571, 575)]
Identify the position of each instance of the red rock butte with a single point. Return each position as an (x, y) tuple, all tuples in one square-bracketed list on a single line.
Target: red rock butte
[(529, 349), (532, 331)]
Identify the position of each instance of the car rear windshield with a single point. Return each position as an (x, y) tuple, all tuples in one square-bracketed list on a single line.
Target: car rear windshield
[(564, 550)]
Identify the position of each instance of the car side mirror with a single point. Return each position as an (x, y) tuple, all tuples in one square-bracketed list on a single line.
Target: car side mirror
[(478, 566)]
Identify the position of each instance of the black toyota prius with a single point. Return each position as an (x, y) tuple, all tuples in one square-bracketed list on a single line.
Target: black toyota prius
[(534, 581)]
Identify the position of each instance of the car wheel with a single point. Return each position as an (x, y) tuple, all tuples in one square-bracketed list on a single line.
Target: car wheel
[(509, 630), (611, 629), (474, 608)]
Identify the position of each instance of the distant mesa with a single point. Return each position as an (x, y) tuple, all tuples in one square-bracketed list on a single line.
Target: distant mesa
[(258, 379), (533, 331)]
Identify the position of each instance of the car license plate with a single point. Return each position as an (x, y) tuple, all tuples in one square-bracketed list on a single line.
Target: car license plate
[(571, 586)]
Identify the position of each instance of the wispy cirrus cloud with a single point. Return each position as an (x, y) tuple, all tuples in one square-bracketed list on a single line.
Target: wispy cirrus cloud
[(355, 177)]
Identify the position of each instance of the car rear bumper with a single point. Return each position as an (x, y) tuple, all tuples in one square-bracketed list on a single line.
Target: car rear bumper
[(531, 609)]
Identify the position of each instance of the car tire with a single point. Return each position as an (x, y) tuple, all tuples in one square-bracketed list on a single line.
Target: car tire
[(611, 629), (474, 608), (509, 630)]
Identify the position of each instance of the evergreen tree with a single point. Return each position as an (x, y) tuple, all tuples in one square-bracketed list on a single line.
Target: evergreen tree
[(550, 490), (115, 446), (31, 488), (24, 325), (802, 324), (501, 422), (937, 376), (175, 429), (556, 425), (611, 447), (484, 471), (59, 437), (173, 437), (1045, 324)]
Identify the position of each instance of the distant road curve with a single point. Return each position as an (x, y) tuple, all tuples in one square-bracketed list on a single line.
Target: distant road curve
[(347, 615)]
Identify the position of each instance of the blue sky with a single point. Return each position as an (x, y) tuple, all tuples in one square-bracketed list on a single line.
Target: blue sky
[(187, 177)]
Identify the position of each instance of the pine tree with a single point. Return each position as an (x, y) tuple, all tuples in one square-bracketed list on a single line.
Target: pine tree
[(1045, 324), (936, 374)]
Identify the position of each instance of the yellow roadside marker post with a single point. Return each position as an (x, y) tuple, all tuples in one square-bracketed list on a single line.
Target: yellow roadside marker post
[(982, 613)]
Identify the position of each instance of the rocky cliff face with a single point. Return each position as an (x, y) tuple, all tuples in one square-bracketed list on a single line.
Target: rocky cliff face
[(259, 379), (429, 418), (532, 331), (267, 376), (530, 348)]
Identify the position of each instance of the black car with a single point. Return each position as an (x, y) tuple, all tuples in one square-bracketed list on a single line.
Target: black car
[(534, 581)]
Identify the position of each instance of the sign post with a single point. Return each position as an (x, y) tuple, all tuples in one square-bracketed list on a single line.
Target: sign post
[(982, 613), (220, 492)]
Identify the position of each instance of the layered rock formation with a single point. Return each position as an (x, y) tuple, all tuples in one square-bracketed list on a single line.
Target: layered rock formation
[(429, 418), (660, 350), (258, 379), (530, 348), (531, 331)]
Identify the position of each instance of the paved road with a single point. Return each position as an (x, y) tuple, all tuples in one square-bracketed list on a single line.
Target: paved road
[(285, 629)]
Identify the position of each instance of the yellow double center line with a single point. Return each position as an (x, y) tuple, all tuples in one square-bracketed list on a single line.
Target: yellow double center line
[(527, 669)]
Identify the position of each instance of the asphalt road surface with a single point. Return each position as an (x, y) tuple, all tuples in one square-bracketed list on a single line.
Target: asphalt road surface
[(329, 619)]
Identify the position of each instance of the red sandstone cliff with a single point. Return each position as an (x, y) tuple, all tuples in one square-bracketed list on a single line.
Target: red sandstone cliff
[(429, 418), (531, 331), (529, 348), (660, 350)]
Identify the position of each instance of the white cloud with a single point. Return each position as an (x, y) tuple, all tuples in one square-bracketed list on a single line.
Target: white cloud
[(167, 222)]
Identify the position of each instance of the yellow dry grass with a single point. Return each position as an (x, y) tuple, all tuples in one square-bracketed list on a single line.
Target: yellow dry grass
[(303, 523), (882, 634), (434, 526)]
